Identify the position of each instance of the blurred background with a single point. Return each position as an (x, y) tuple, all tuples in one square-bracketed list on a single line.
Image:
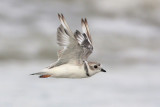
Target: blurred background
[(126, 39)]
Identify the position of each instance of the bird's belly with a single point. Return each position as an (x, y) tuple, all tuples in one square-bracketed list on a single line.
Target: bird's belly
[(68, 71)]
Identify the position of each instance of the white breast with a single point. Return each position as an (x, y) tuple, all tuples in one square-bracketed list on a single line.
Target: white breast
[(67, 71)]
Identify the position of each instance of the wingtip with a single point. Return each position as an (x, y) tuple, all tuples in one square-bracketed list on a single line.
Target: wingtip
[(62, 15), (87, 28), (82, 20), (85, 21), (59, 16)]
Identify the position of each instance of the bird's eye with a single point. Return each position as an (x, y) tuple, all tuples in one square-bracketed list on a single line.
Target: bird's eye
[(95, 66)]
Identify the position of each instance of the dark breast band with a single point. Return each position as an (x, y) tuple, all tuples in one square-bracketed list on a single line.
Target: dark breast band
[(86, 68)]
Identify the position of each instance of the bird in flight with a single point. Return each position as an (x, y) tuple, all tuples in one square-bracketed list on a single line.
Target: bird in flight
[(72, 58)]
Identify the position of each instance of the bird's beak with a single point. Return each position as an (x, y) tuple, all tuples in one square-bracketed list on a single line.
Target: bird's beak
[(103, 70)]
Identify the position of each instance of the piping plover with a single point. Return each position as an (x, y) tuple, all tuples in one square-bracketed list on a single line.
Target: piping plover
[(72, 59)]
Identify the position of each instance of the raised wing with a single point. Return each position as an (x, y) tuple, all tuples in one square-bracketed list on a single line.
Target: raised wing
[(85, 29), (86, 42), (75, 47), (85, 45)]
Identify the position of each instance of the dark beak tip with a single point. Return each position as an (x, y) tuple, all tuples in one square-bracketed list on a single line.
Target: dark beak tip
[(103, 70)]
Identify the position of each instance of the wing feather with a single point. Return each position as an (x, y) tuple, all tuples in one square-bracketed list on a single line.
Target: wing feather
[(62, 37), (84, 43), (76, 47), (65, 25), (85, 29)]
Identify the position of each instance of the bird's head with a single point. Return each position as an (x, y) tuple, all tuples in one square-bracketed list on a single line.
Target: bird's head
[(95, 67)]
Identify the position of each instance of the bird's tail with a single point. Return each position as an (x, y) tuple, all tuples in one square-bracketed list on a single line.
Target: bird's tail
[(42, 74)]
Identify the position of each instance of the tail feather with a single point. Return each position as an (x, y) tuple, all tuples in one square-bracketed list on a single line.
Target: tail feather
[(42, 74), (38, 73)]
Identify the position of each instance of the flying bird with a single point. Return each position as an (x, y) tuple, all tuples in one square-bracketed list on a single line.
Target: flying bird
[(72, 58)]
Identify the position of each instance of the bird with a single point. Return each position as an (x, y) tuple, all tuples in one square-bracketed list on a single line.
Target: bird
[(72, 57)]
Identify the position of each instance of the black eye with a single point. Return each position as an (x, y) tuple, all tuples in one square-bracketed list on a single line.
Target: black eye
[(95, 66)]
